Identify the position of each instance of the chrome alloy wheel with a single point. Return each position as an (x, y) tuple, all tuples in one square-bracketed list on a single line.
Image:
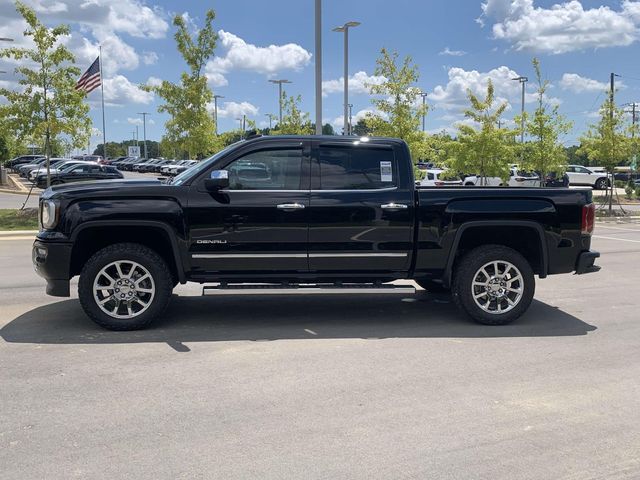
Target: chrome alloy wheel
[(123, 289), (497, 287)]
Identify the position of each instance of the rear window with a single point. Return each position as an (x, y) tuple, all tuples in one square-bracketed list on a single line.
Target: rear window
[(356, 168)]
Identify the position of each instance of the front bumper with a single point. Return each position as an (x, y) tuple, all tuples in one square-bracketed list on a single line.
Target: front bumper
[(52, 261), (585, 263)]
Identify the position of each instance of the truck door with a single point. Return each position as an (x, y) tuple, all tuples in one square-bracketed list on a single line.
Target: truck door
[(259, 224), (361, 209)]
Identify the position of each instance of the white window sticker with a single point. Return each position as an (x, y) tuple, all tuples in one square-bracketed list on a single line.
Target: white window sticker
[(386, 173)]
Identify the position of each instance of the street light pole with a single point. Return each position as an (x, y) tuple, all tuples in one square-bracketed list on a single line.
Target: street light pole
[(318, 67), (424, 109), (523, 81), (280, 82), (270, 115), (215, 112), (345, 29), (144, 131), (350, 129)]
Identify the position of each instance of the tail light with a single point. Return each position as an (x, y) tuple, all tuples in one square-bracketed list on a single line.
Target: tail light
[(520, 179), (588, 218), (438, 183)]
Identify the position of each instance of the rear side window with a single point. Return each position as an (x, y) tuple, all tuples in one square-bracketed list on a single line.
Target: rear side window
[(356, 168)]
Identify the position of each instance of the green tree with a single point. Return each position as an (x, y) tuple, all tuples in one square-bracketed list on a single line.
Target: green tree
[(190, 127), (544, 153), (483, 148), (361, 128), (607, 142), (294, 121), (327, 129), (401, 112), (47, 106)]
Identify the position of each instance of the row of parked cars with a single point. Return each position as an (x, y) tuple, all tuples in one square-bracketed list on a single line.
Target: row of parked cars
[(61, 170), (595, 177), (152, 165)]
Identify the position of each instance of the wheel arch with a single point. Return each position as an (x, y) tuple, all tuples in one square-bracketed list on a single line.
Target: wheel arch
[(500, 232), (92, 236)]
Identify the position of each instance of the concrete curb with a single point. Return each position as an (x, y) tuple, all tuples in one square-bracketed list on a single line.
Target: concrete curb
[(17, 183)]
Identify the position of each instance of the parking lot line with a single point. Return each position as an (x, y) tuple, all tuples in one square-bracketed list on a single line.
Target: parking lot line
[(617, 228), (619, 239)]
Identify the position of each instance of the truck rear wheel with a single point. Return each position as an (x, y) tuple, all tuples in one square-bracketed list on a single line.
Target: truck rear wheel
[(493, 284), (125, 286)]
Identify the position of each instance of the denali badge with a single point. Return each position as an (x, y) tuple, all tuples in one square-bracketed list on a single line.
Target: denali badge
[(211, 241)]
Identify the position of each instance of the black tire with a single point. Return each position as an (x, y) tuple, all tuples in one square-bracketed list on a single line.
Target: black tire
[(147, 258), (467, 268), (601, 184), (433, 287)]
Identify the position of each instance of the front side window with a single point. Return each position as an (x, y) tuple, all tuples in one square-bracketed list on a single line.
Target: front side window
[(356, 168), (275, 169)]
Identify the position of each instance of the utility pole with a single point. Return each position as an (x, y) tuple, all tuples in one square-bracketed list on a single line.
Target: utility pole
[(318, 66), (215, 112), (350, 130), (424, 109), (137, 137), (345, 29), (280, 82), (523, 81), (144, 131)]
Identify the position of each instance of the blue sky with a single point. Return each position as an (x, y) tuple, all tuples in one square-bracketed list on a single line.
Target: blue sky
[(457, 45)]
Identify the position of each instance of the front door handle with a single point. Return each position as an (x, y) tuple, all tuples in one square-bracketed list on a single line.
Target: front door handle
[(289, 207), (394, 206)]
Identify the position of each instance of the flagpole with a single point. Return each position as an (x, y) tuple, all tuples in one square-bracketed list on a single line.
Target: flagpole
[(104, 134)]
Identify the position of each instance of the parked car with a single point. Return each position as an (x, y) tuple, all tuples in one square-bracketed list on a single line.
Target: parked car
[(432, 179), (173, 171), (54, 167), (25, 170), (137, 166), (25, 167), (164, 169), (583, 176), (21, 160), (87, 158), (82, 173), (121, 164), (517, 178), (351, 224)]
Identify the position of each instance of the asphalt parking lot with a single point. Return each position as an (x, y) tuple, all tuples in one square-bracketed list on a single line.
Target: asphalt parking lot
[(360, 387)]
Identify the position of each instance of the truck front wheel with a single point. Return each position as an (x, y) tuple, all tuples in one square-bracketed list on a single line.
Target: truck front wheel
[(125, 286), (493, 284)]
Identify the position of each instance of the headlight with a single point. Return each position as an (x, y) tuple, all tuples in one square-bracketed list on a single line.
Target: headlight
[(48, 214)]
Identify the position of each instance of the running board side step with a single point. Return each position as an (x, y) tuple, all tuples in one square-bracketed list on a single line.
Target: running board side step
[(307, 289)]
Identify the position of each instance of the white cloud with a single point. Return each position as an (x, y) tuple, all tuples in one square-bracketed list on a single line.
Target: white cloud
[(240, 55), (357, 83), (234, 110), (149, 58), (138, 121), (132, 17), (453, 95), (120, 91), (154, 81), (562, 28), (116, 54), (578, 84), (452, 53)]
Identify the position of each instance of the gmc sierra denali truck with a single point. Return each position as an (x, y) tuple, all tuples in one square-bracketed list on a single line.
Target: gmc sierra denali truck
[(307, 215)]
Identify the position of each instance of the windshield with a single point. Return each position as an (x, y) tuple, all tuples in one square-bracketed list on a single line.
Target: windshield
[(202, 165)]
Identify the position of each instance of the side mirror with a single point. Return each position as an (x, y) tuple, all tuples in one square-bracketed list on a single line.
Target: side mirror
[(219, 180)]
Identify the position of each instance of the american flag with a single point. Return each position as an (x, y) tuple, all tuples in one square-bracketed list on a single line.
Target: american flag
[(90, 80)]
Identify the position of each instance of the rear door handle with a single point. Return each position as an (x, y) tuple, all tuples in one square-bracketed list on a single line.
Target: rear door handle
[(290, 206), (394, 206)]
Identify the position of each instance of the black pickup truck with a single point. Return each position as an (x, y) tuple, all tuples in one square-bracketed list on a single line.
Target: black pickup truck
[(307, 215)]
